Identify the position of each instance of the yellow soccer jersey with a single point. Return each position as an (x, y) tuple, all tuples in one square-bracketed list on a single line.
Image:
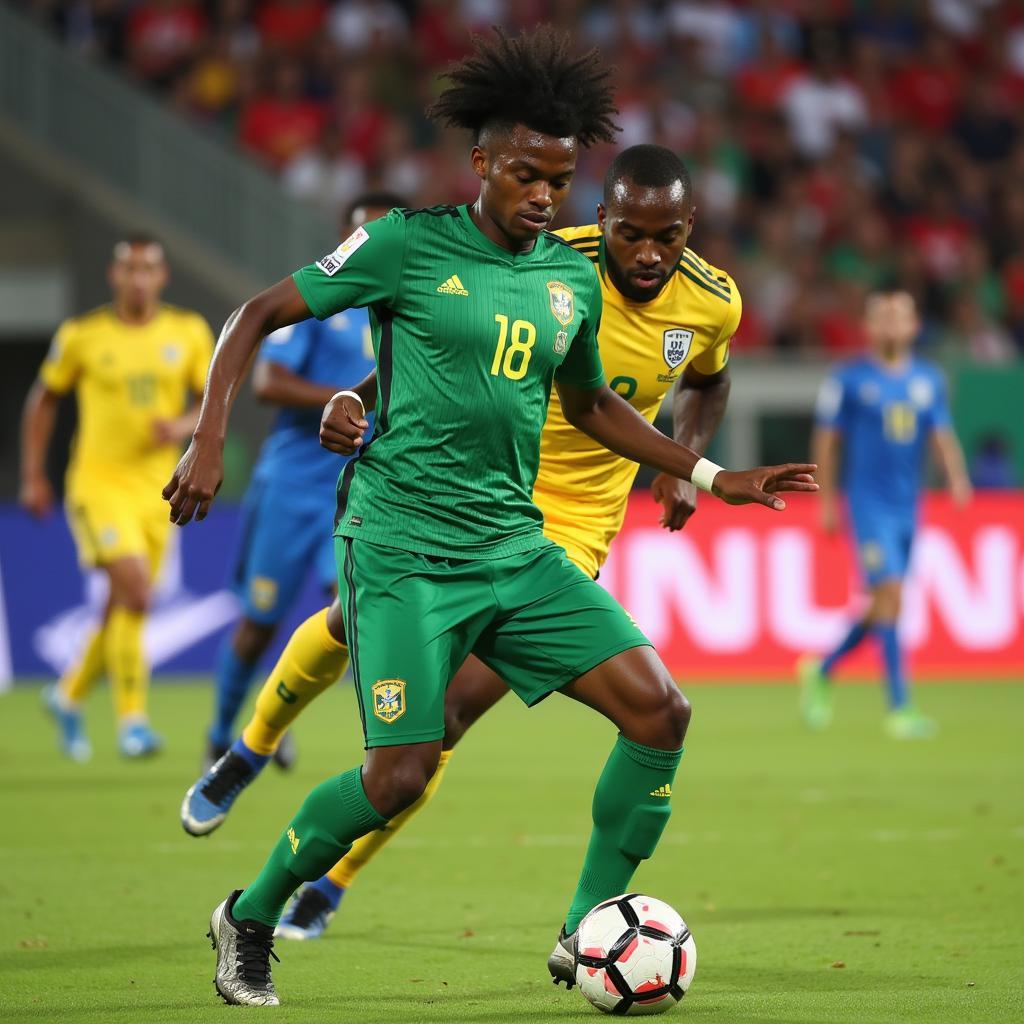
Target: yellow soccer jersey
[(126, 377), (582, 488)]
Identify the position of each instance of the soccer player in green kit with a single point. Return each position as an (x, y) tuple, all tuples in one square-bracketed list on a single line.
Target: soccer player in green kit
[(476, 312)]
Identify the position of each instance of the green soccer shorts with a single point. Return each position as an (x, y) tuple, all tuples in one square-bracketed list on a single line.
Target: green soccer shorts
[(412, 619)]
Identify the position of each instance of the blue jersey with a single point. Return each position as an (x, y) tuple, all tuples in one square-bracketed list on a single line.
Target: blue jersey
[(336, 353), (885, 418)]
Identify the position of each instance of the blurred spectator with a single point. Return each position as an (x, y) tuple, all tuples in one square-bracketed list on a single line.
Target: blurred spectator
[(992, 465), (324, 174), (288, 25), (822, 101), (927, 84), (834, 146), (974, 334), (163, 36), (281, 123)]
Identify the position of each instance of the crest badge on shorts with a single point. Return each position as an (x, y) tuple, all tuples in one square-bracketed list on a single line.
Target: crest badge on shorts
[(676, 345), (388, 699), (561, 302)]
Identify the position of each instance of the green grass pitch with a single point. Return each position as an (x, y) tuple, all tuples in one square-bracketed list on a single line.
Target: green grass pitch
[(831, 878)]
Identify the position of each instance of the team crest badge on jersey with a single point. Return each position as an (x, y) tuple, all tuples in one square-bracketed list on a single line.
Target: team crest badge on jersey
[(388, 699), (170, 353), (263, 592), (561, 302), (334, 261), (676, 345)]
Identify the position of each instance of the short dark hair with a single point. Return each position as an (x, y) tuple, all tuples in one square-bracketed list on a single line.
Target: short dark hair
[(532, 79), (382, 199), (648, 166)]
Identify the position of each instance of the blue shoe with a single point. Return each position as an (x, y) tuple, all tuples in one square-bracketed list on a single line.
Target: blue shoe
[(74, 744), (307, 916), (137, 739), (208, 801)]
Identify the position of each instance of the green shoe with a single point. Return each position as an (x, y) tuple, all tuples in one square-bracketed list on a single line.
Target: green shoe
[(815, 694), (908, 724)]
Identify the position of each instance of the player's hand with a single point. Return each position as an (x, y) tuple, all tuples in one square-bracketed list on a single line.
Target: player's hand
[(678, 500), (762, 486), (961, 491), (828, 515), (197, 478), (164, 432), (36, 496), (342, 425)]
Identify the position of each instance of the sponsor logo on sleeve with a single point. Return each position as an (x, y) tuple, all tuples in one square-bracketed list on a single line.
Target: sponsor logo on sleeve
[(334, 261)]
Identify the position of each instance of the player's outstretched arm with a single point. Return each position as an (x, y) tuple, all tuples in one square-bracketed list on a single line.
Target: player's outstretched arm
[(610, 420), (198, 475), (698, 405)]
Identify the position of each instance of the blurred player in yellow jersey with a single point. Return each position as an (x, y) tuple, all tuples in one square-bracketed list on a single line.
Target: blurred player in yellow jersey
[(135, 366), (668, 319)]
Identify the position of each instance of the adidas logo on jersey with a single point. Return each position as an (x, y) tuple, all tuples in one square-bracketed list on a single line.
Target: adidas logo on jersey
[(665, 791), (453, 286)]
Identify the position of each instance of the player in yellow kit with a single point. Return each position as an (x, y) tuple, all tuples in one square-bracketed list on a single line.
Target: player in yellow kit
[(668, 319), (135, 366)]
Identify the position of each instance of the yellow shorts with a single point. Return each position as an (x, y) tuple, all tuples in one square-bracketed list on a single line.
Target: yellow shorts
[(114, 523)]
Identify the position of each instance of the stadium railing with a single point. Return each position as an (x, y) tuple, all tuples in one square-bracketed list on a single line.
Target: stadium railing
[(87, 128)]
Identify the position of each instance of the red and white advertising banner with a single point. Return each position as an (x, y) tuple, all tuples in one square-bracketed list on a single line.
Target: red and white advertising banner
[(745, 591)]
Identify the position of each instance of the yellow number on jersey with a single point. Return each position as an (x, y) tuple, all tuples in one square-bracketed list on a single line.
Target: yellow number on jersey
[(524, 334), (900, 419), (142, 389)]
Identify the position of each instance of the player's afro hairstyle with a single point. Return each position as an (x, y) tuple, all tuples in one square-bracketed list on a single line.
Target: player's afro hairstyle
[(648, 166), (533, 79)]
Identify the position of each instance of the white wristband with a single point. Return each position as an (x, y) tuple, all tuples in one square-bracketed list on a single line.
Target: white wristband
[(704, 473), (352, 394)]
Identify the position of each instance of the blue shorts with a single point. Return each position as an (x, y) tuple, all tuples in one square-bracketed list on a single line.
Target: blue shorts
[(286, 533), (884, 539)]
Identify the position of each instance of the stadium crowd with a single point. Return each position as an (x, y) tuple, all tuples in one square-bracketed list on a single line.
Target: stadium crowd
[(834, 145)]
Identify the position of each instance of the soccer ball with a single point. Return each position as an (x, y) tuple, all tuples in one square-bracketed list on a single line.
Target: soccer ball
[(634, 955)]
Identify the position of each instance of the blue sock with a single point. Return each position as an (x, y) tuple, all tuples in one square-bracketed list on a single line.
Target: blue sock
[(331, 892), (258, 761), (233, 678), (893, 658), (857, 632)]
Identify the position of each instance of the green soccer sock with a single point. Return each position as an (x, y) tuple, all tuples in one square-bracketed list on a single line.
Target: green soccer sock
[(332, 817), (631, 810)]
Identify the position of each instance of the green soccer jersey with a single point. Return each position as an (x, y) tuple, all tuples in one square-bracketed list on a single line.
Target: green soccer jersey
[(468, 339)]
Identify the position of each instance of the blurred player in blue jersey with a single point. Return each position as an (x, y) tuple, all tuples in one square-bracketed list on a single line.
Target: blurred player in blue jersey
[(876, 417), (288, 516)]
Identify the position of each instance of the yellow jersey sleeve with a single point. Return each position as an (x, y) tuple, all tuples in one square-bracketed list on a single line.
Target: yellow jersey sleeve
[(713, 359), (62, 367), (202, 353)]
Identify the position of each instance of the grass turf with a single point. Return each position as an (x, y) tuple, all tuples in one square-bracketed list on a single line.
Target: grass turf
[(840, 877)]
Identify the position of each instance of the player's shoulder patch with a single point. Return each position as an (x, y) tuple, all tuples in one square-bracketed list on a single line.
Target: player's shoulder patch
[(334, 261), (706, 277)]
